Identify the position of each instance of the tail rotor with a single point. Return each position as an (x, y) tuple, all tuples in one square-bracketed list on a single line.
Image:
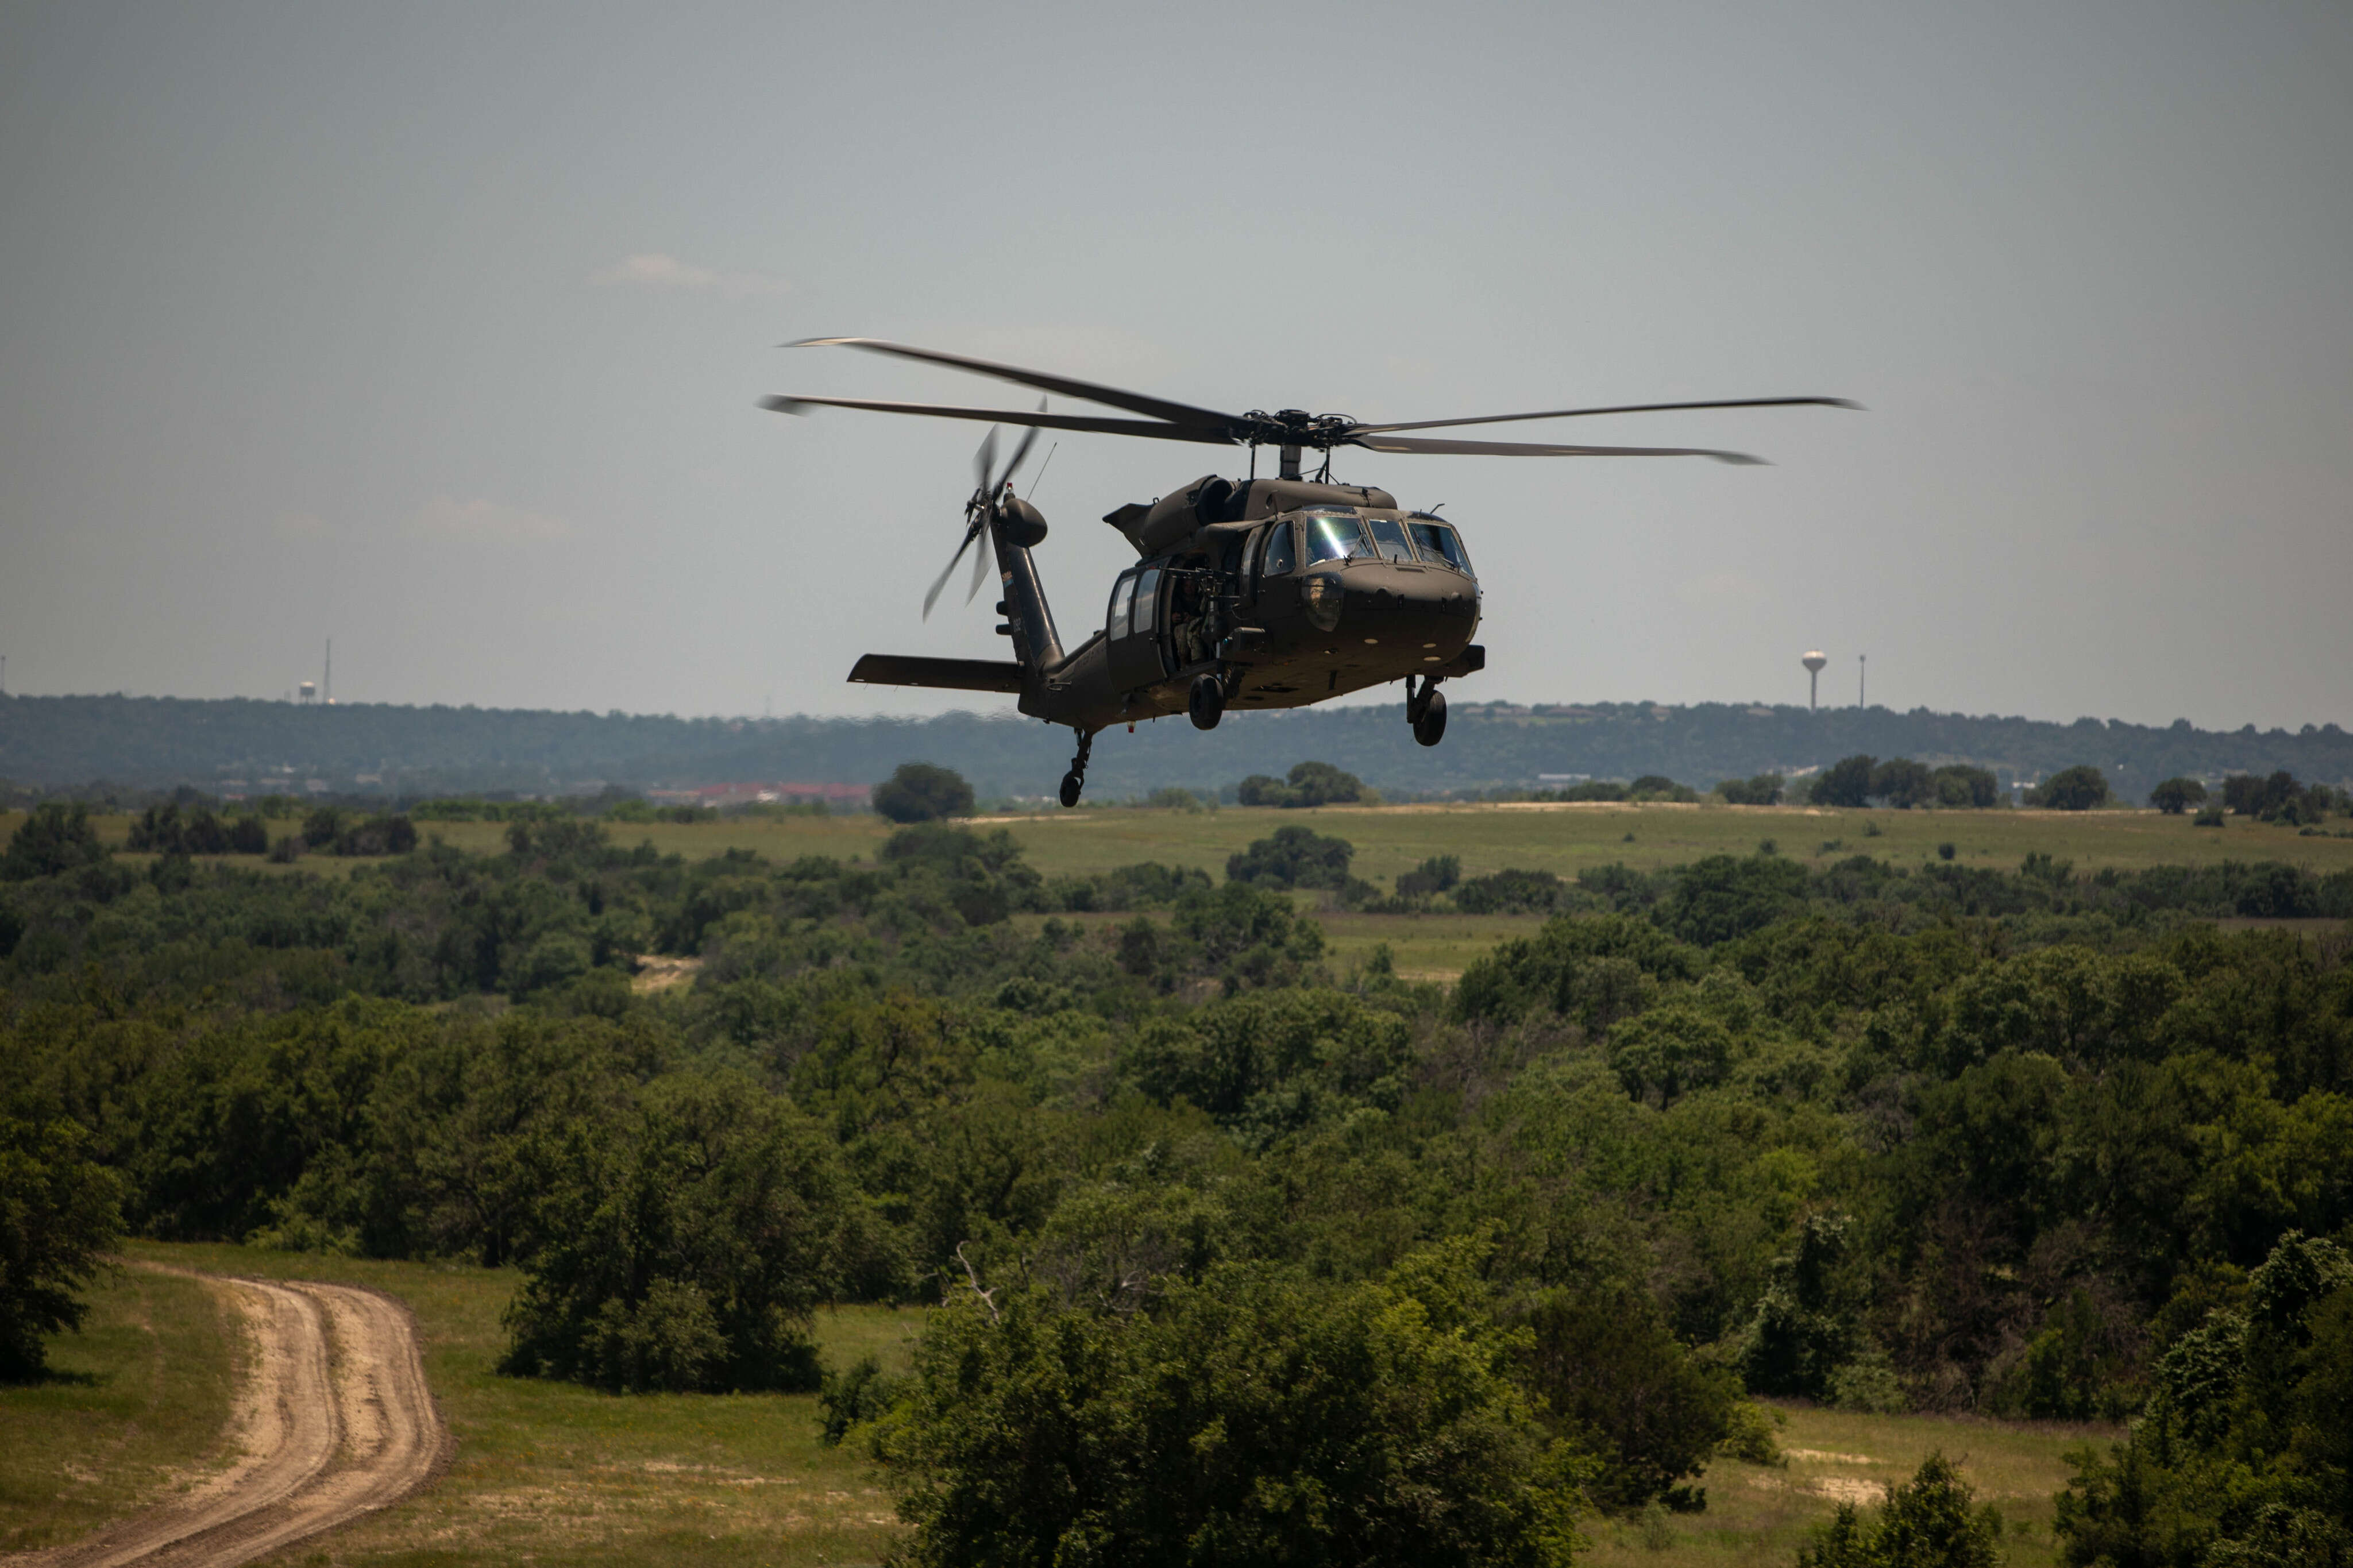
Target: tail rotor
[(989, 489)]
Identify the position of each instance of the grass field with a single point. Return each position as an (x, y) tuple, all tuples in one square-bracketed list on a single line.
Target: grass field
[(136, 1408), (561, 1473), (1559, 838), (555, 1472), (1757, 1514)]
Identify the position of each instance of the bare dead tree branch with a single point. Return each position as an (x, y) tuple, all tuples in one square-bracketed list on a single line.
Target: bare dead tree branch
[(988, 1298)]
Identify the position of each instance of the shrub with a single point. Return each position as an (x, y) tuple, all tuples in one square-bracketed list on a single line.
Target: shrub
[(2175, 795), (1436, 875), (853, 1397), (1618, 1382), (1963, 787), (1927, 1522), (919, 791)]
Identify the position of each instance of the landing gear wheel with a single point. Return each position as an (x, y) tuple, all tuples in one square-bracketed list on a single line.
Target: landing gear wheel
[(1076, 779), (1431, 727), (1207, 701)]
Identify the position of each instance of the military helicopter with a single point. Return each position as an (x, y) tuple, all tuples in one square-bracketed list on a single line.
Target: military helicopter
[(1261, 593)]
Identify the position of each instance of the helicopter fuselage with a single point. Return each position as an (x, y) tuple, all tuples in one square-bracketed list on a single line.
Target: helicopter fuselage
[(1288, 591)]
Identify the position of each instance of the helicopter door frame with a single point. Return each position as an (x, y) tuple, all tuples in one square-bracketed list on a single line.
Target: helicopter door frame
[(1137, 640)]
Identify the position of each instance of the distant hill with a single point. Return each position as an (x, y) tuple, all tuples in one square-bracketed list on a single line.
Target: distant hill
[(57, 741)]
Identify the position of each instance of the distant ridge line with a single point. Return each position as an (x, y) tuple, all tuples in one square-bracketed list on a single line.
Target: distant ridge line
[(406, 750)]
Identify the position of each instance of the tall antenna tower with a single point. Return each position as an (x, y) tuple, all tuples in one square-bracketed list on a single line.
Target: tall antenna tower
[(1813, 663), (327, 685), (1861, 669)]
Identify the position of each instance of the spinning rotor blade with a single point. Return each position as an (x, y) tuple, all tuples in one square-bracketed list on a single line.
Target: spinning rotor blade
[(940, 582), (1523, 450), (1152, 428), (1020, 455), (1622, 408), (979, 568), (1111, 397), (984, 460)]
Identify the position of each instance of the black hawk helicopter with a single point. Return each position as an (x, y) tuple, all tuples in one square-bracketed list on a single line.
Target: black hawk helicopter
[(1256, 593)]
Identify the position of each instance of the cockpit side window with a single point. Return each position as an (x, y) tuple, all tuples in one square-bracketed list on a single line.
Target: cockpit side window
[(1147, 598), (1439, 544), (1334, 536), (1389, 539), (1281, 558), (1122, 593)]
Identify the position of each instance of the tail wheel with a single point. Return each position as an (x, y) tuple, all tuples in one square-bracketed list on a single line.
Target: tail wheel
[(1430, 727), (1207, 701)]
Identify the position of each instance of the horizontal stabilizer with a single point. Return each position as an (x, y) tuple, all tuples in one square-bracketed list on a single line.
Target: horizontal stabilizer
[(952, 674)]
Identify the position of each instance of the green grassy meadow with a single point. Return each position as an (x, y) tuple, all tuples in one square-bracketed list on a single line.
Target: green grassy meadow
[(556, 1472), (136, 1407), (1562, 839), (1761, 1514)]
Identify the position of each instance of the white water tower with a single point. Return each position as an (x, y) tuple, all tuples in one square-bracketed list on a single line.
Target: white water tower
[(1814, 662)]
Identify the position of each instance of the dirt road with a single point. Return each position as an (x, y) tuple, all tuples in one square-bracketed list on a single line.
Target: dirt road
[(334, 1420)]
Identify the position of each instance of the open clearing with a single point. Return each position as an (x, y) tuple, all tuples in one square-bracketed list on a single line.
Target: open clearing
[(136, 1412), (563, 1473), (1759, 1514), (331, 1421), (558, 1472), (1564, 839)]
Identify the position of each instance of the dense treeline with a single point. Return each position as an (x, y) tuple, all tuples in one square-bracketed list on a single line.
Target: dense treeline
[(1205, 1210), (61, 742)]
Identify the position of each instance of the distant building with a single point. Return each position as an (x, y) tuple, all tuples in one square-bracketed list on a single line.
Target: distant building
[(851, 797)]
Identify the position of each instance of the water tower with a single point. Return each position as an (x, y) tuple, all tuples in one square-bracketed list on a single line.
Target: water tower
[(1813, 663), (309, 692)]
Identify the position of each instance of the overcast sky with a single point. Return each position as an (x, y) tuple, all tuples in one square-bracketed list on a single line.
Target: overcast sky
[(438, 331)]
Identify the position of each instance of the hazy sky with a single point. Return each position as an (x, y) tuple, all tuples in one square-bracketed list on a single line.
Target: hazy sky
[(437, 330)]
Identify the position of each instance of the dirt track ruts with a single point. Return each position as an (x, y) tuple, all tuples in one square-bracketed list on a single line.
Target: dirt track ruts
[(334, 1421)]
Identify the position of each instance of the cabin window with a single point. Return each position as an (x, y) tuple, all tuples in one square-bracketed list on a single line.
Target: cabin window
[(1280, 556), (1147, 593), (1334, 536), (1389, 539), (1122, 592), (1439, 545)]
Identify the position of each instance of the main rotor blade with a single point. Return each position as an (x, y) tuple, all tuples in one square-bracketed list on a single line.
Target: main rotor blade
[(941, 581), (1623, 408), (1378, 443), (1152, 428), (1133, 401)]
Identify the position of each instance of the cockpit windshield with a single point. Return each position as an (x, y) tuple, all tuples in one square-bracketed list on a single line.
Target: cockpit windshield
[(1334, 536), (1439, 544), (1389, 539)]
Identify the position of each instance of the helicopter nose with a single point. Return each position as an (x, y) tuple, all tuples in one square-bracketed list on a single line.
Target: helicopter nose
[(1418, 609)]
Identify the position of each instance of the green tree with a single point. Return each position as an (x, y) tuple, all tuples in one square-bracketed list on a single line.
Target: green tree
[(1904, 783), (1927, 1522), (1764, 789), (2175, 795), (58, 836), (1310, 784), (919, 791), (1255, 1416), (1963, 787), (1293, 858), (60, 1212), (2079, 788), (688, 1251), (1617, 1383), (1846, 782)]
